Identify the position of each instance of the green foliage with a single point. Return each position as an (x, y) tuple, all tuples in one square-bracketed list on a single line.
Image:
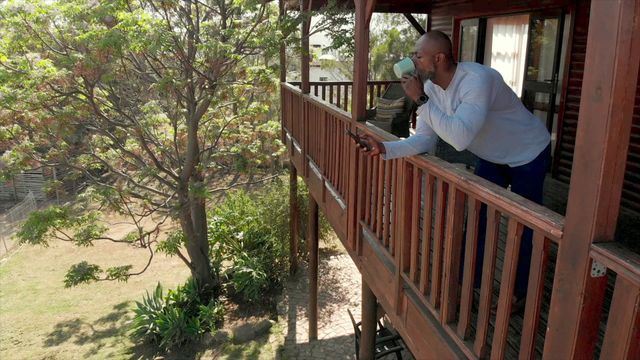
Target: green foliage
[(171, 245), (64, 222), (392, 38), (120, 273), (82, 272), (174, 319), (249, 233), (150, 102)]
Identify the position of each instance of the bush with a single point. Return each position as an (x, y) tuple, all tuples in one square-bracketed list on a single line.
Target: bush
[(249, 232), (176, 318)]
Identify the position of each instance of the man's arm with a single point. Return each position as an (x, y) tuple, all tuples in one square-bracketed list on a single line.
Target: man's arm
[(424, 139)]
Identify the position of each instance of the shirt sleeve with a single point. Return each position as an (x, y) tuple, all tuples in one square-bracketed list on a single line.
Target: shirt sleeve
[(461, 128), (424, 139)]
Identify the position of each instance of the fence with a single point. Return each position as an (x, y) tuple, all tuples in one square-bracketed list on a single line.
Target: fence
[(11, 220)]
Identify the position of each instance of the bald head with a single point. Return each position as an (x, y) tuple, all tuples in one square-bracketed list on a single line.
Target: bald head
[(435, 42)]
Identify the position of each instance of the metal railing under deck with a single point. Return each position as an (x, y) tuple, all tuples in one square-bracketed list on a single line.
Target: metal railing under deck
[(416, 224)]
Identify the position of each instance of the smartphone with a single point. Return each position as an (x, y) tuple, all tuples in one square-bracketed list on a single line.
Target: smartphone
[(359, 140)]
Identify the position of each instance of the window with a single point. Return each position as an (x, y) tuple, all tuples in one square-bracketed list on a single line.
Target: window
[(324, 78), (469, 34), (506, 46)]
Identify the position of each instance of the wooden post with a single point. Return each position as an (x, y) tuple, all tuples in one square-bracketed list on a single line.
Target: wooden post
[(283, 47), (313, 268), (602, 140), (369, 314), (283, 70), (364, 10), (305, 6), (293, 218)]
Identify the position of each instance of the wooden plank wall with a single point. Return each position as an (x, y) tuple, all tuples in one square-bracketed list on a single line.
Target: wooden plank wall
[(567, 135), (563, 163), (22, 184)]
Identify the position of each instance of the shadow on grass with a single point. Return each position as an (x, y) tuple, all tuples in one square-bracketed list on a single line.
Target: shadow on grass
[(206, 348), (81, 332)]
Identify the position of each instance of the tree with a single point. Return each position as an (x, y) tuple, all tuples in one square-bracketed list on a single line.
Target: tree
[(392, 38), (149, 101)]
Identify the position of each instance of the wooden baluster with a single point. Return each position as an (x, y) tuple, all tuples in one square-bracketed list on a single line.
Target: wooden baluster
[(404, 220), (379, 191), (330, 148), (331, 95), (374, 194), (396, 206), (415, 224), (370, 96), (453, 247), (539, 260), (486, 290), (507, 281), (346, 97), (324, 140), (387, 203), (471, 247), (324, 92), (342, 150), (430, 181), (336, 155), (315, 90), (339, 92), (367, 194), (621, 340), (436, 281), (361, 192)]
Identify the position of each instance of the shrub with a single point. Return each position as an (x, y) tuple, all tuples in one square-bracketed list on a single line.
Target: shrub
[(249, 232), (176, 318)]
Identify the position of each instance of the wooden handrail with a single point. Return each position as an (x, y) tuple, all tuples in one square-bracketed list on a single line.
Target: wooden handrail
[(619, 259), (372, 82)]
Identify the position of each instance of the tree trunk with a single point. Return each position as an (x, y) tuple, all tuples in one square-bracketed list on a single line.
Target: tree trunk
[(193, 220)]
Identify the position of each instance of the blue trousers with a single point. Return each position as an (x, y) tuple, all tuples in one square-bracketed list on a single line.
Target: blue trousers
[(525, 180)]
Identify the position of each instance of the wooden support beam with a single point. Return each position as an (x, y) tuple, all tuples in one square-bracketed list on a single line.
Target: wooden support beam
[(305, 10), (294, 214), (416, 25), (604, 125), (364, 10), (313, 268), (283, 45), (369, 314)]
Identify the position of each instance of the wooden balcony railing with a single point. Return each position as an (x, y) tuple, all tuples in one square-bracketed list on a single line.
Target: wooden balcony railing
[(621, 338), (415, 229), (338, 93)]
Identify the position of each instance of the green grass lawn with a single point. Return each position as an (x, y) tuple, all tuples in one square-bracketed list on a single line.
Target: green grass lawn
[(41, 319)]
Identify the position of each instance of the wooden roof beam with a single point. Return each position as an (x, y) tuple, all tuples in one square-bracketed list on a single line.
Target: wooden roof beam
[(415, 23)]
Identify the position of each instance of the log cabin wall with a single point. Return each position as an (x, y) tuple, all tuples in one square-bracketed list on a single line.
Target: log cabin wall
[(571, 100)]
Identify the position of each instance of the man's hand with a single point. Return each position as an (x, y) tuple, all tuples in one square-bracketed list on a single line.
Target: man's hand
[(377, 147), (412, 86)]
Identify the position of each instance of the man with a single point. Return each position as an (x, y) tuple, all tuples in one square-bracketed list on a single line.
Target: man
[(470, 106)]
